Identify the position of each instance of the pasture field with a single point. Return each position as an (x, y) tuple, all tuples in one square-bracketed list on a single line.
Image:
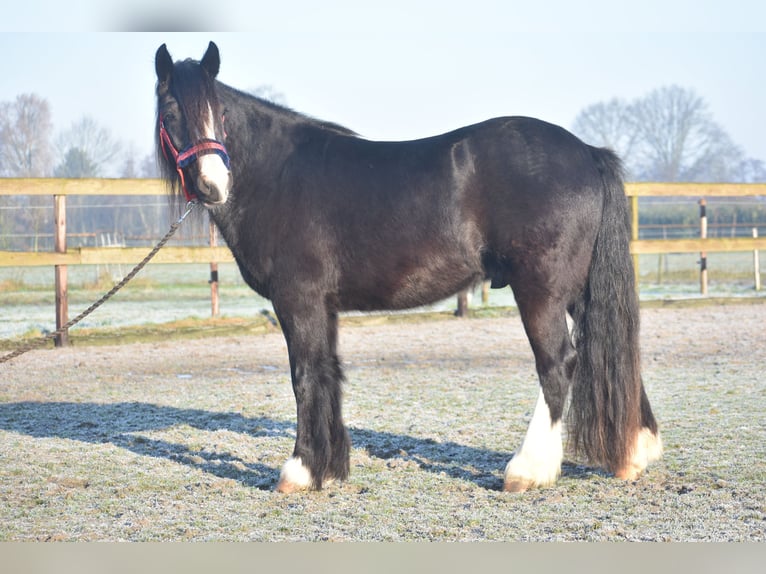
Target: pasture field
[(169, 293), (182, 439)]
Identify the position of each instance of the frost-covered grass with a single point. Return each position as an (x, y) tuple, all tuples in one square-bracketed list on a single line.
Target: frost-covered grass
[(183, 440)]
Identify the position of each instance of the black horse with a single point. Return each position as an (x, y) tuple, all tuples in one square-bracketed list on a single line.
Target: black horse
[(322, 221)]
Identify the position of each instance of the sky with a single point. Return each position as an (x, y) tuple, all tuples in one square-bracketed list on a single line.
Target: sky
[(394, 69)]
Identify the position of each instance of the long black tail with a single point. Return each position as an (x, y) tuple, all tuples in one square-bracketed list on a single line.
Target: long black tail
[(609, 405)]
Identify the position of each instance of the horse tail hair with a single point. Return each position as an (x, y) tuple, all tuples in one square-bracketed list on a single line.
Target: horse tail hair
[(605, 414)]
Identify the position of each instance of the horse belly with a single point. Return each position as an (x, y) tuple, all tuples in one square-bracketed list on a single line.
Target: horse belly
[(411, 280)]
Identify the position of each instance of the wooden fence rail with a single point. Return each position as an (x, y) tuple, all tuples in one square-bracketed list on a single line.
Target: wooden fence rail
[(695, 190), (62, 257)]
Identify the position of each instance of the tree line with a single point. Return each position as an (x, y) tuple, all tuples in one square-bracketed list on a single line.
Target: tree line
[(29, 147), (668, 135), (671, 135)]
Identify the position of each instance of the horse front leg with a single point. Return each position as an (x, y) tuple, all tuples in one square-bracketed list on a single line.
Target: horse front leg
[(321, 453)]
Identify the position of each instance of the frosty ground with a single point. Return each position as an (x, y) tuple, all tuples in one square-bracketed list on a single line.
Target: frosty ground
[(183, 439)]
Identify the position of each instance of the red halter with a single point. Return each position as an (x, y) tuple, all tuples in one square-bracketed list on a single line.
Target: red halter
[(190, 154)]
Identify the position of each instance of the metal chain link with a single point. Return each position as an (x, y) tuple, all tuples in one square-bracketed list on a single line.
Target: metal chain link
[(40, 342)]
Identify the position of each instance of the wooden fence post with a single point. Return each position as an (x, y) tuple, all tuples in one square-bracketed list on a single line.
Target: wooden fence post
[(756, 263), (62, 303), (634, 234), (703, 254), (662, 261), (215, 311), (462, 304)]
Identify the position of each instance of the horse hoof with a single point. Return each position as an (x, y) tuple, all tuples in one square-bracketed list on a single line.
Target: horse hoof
[(287, 487), (294, 477), (517, 484), (628, 473)]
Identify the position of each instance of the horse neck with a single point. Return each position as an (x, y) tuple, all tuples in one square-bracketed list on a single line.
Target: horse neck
[(258, 140), (259, 121), (256, 130)]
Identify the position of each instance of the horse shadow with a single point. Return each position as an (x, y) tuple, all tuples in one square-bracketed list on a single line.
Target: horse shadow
[(124, 425)]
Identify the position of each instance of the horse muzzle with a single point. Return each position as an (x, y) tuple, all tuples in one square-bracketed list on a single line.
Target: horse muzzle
[(213, 180)]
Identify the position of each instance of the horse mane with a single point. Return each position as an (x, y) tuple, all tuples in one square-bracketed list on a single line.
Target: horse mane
[(291, 114), (193, 89)]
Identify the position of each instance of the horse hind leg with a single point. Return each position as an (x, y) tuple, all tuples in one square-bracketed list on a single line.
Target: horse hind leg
[(538, 461)]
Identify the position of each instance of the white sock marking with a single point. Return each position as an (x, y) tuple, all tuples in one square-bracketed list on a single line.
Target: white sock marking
[(648, 449), (538, 462)]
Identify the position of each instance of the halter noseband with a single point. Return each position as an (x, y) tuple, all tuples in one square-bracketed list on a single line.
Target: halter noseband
[(190, 154)]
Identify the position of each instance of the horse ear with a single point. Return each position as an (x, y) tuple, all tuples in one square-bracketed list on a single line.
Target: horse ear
[(163, 64), (211, 61)]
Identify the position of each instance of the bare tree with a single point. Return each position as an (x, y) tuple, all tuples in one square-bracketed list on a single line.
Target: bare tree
[(609, 124), (129, 166), (751, 170), (668, 135), (93, 141), (717, 159), (25, 135), (149, 167), (677, 133), (25, 151)]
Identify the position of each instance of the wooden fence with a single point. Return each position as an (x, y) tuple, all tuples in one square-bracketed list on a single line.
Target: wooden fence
[(59, 189), (62, 257)]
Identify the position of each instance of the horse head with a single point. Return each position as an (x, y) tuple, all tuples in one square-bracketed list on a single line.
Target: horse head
[(190, 133)]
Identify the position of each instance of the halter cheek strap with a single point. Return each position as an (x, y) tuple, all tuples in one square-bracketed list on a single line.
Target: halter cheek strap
[(190, 154)]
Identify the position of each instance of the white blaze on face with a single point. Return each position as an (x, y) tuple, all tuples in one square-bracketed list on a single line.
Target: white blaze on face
[(214, 175)]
